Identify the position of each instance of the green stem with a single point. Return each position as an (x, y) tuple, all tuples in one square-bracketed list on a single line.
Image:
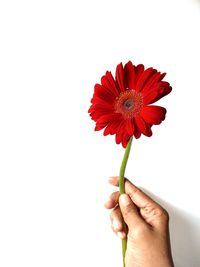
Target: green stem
[(122, 188)]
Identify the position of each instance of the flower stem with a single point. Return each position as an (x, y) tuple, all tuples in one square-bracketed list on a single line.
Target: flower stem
[(122, 189)]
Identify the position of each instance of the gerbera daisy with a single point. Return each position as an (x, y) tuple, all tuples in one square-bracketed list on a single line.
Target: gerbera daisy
[(123, 105)]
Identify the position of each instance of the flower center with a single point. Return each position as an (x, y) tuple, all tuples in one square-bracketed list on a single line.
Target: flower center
[(129, 103)]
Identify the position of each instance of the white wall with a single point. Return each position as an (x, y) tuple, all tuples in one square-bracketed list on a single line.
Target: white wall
[(53, 166)]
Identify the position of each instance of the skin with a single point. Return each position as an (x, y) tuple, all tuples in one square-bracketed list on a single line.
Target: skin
[(148, 241)]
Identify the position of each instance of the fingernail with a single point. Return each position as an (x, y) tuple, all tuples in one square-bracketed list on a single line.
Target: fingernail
[(121, 235), (116, 224), (124, 200)]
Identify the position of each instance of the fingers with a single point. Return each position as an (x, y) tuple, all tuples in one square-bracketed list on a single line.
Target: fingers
[(112, 201), (115, 215), (117, 222), (150, 210)]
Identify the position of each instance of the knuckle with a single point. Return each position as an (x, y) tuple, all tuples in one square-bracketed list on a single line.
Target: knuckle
[(161, 213), (151, 212)]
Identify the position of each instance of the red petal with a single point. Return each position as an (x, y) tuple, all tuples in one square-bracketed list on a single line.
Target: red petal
[(129, 126), (137, 132), (148, 99), (108, 129), (141, 124), (100, 126), (153, 114), (125, 139), (101, 105), (104, 93), (95, 115), (148, 129), (112, 127), (157, 93), (155, 78), (109, 118), (129, 75), (144, 78), (139, 71), (119, 77), (108, 82), (98, 101), (120, 132)]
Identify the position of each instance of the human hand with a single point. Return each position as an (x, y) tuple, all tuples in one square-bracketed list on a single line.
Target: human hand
[(148, 242)]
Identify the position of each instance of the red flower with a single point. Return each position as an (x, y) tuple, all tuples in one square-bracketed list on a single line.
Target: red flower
[(122, 105)]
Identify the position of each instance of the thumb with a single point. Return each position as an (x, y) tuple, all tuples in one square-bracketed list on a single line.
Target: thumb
[(129, 212)]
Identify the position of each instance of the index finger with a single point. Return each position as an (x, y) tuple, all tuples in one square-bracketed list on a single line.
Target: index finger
[(140, 199)]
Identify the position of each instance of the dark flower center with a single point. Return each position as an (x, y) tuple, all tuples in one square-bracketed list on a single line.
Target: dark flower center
[(128, 104)]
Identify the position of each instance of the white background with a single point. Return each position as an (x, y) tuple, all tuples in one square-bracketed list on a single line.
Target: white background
[(53, 166)]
